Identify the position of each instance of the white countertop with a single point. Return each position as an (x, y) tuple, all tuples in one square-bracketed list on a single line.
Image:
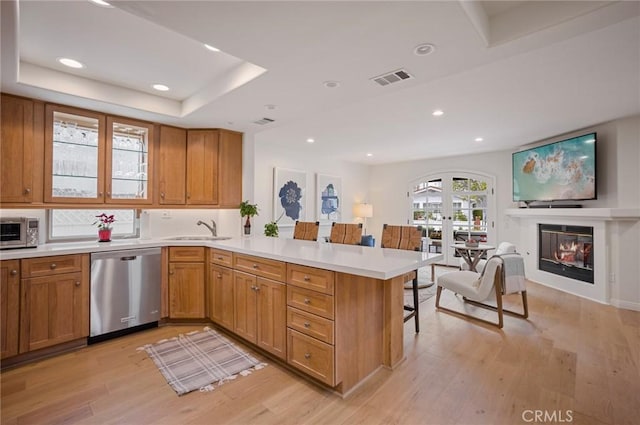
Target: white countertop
[(366, 261)]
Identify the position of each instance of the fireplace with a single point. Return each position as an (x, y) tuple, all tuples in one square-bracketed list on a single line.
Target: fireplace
[(566, 251)]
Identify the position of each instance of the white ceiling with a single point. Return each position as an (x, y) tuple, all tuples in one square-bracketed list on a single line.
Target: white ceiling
[(511, 72)]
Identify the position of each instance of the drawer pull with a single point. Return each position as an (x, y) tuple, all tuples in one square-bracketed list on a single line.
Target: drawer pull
[(255, 266), (14, 272), (307, 324), (220, 258), (307, 301), (307, 355), (306, 278), (53, 266)]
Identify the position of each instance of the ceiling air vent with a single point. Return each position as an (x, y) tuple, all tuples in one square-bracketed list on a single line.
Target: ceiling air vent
[(264, 121), (392, 77)]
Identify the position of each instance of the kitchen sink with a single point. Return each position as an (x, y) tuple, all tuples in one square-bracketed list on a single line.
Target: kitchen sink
[(199, 238)]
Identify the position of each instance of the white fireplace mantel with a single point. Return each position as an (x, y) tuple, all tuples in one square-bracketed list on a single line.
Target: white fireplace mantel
[(606, 214)]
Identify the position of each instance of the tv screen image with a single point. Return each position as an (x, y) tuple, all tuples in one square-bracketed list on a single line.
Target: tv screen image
[(564, 170)]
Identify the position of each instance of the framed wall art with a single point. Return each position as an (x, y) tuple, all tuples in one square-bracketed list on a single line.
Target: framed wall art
[(328, 198), (289, 196)]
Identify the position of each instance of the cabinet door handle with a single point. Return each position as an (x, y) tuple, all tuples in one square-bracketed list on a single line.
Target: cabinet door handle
[(219, 276), (109, 194), (14, 272), (188, 195), (307, 301), (162, 195), (27, 191), (307, 324), (77, 283), (53, 266), (170, 272), (307, 355), (306, 278), (99, 194)]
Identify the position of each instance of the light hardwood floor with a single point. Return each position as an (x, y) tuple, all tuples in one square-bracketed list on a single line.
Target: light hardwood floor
[(570, 355)]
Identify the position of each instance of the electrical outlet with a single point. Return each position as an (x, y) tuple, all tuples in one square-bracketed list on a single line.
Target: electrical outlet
[(612, 277), (166, 214)]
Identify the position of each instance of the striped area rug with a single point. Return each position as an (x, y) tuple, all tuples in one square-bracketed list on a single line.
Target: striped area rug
[(199, 360)]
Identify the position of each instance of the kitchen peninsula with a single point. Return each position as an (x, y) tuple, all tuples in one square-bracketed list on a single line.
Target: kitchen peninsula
[(334, 312)]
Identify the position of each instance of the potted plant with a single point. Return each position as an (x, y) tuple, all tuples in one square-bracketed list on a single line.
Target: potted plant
[(248, 210), (271, 229), (104, 227)]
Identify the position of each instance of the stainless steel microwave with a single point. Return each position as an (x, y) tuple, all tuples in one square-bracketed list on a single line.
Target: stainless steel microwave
[(18, 232)]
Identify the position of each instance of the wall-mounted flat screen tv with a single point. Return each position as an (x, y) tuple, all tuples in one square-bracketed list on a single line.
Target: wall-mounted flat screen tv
[(560, 171)]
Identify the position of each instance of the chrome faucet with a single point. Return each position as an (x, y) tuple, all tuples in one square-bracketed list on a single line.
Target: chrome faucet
[(213, 228)]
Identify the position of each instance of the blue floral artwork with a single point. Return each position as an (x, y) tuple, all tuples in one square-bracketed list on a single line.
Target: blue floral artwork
[(288, 196), (329, 191)]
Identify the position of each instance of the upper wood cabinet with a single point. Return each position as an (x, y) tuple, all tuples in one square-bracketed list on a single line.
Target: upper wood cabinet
[(129, 161), (20, 143), (172, 166), (230, 169), (202, 167), (74, 156)]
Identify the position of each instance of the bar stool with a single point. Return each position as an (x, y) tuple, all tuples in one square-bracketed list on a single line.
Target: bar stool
[(306, 230), (346, 233)]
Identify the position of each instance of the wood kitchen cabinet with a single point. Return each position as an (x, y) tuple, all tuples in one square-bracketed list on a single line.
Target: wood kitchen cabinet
[(220, 288), (21, 157), (9, 307), (186, 282), (261, 303), (230, 169), (202, 167), (172, 166), (54, 301)]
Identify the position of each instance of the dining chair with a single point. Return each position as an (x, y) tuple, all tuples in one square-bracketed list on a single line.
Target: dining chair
[(346, 233), (306, 230), (407, 238), (502, 274)]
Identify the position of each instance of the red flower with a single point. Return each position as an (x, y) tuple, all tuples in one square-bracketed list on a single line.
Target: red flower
[(104, 221)]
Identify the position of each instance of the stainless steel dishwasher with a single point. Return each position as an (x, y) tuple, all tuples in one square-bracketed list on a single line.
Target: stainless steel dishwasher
[(125, 292)]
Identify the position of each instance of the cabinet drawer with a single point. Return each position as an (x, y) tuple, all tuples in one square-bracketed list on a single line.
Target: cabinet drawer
[(311, 278), (46, 266), (221, 257), (310, 301), (310, 324), (311, 356), (271, 269), (186, 253)]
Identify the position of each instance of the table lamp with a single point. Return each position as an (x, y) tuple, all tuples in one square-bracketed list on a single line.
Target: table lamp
[(364, 211)]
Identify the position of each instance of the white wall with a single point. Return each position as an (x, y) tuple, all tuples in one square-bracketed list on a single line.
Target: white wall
[(355, 182)]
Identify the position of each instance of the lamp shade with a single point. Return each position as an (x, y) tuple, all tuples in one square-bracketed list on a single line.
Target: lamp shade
[(363, 210)]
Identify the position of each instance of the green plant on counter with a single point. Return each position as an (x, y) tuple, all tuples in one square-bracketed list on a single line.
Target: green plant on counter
[(247, 209), (271, 229)]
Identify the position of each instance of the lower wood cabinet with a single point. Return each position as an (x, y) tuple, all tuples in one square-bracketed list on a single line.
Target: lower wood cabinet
[(221, 299), (260, 312), (54, 306), (187, 283), (9, 307)]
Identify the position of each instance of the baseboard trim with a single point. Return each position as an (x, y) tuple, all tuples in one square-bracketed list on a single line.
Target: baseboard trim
[(627, 305)]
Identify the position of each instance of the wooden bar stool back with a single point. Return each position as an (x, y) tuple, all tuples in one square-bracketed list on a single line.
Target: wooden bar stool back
[(346, 233), (407, 238), (306, 230)]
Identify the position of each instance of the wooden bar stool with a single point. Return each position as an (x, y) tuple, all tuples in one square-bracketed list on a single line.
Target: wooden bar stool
[(346, 233), (306, 230), (408, 238)]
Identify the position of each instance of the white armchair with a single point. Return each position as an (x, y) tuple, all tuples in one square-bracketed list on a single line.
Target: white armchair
[(503, 248), (476, 288)]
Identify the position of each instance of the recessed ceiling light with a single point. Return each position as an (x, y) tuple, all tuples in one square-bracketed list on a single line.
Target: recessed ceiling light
[(369, 154), (424, 49), (331, 84), (270, 107), (210, 47), (437, 113), (71, 63), (160, 87), (310, 140), (479, 139), (101, 3)]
